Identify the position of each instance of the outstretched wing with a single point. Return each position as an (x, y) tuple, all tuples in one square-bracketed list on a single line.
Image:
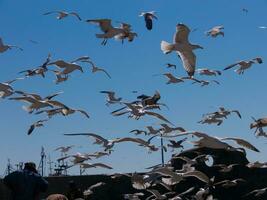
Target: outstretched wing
[(182, 33), (243, 143), (189, 61), (158, 116)]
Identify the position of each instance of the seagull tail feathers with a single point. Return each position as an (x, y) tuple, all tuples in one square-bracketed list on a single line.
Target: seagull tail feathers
[(166, 47)]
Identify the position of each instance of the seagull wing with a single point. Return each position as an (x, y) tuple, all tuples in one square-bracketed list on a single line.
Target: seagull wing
[(189, 61), (76, 15), (48, 13), (83, 112), (99, 69), (105, 24), (199, 175), (243, 143), (158, 116), (181, 35), (31, 129), (233, 65), (237, 112), (96, 136), (102, 165)]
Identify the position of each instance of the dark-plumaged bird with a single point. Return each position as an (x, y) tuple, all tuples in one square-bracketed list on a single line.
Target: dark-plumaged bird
[(149, 16)]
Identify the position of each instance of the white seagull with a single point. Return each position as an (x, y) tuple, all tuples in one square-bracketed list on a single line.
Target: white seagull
[(63, 14)]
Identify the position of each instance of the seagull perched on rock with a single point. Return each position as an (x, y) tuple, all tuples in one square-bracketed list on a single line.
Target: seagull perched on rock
[(244, 65), (183, 48), (63, 14), (215, 31), (5, 47), (149, 16), (107, 28)]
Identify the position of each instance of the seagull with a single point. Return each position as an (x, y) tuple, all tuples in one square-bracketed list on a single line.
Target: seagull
[(208, 72), (68, 111), (138, 132), (39, 70), (215, 31), (169, 65), (230, 183), (258, 123), (94, 165), (167, 129), (68, 67), (242, 142), (149, 16), (245, 10), (244, 65), (63, 14), (37, 124), (107, 28), (5, 47), (111, 99), (36, 101), (257, 192), (97, 69), (152, 131), (60, 77), (183, 48), (127, 34), (64, 149), (176, 144), (108, 144), (134, 196), (138, 111), (205, 83), (6, 88), (211, 120), (172, 79)]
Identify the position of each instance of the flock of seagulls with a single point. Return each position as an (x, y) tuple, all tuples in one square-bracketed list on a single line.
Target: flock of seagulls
[(143, 105)]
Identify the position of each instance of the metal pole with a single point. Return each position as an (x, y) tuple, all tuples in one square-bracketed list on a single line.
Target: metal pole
[(162, 151)]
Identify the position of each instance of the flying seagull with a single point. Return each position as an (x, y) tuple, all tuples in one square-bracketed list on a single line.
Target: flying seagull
[(106, 26), (5, 47), (63, 14), (97, 69), (215, 31), (149, 16), (244, 65), (183, 48)]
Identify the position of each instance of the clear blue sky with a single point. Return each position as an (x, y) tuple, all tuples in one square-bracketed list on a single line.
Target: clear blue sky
[(131, 66)]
